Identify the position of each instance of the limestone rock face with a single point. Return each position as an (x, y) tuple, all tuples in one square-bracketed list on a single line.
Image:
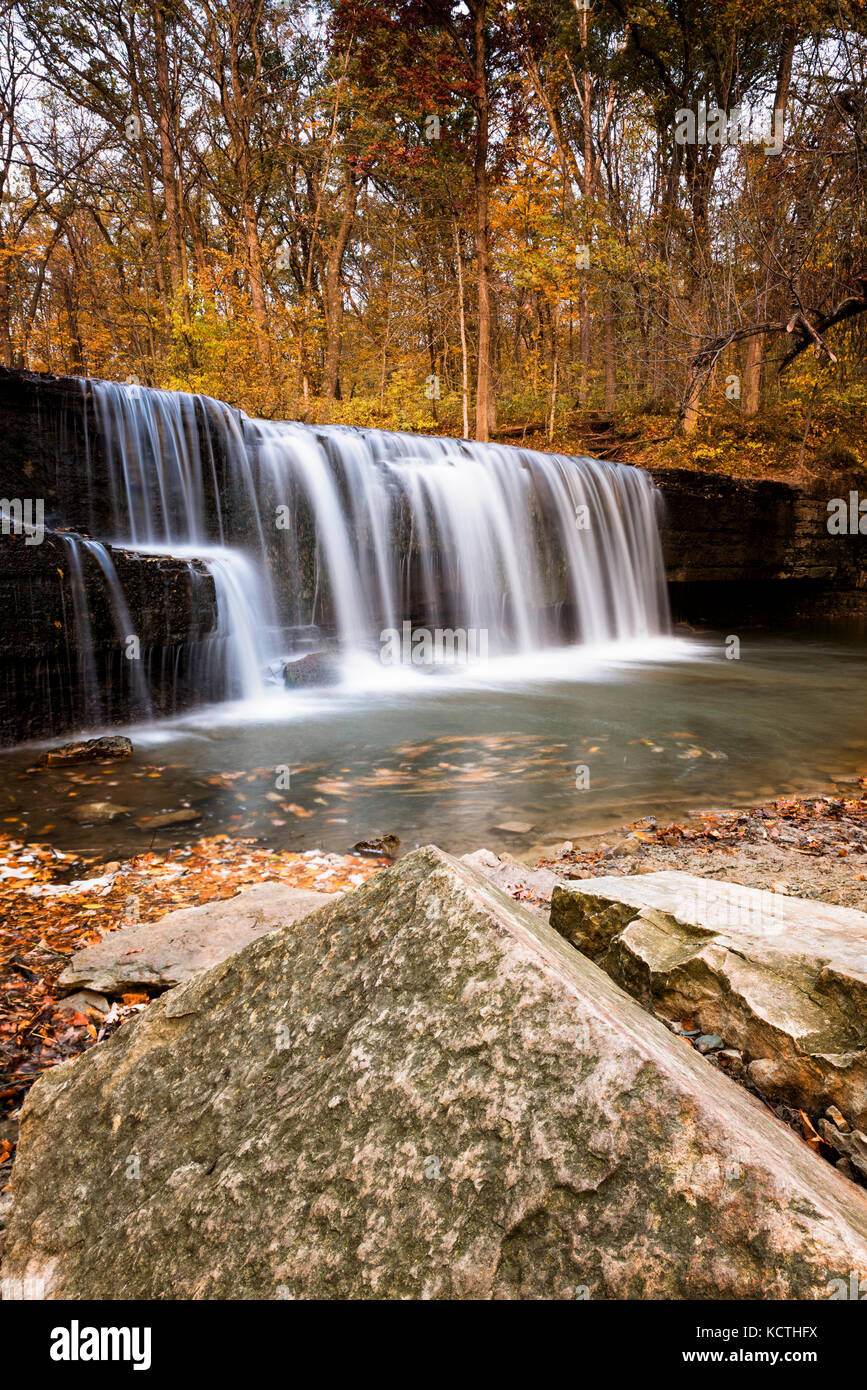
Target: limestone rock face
[(185, 942), (782, 979), (420, 1090)]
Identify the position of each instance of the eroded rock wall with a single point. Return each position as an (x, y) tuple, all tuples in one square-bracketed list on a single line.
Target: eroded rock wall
[(742, 549), (43, 691)]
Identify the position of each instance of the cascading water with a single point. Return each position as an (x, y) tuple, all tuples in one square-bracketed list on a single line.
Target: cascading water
[(354, 531), (166, 500), (83, 632), (120, 611)]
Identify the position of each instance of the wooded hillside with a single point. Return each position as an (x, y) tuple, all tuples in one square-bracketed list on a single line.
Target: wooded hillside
[(637, 228)]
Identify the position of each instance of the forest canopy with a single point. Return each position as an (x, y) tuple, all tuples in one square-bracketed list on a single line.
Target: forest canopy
[(457, 217)]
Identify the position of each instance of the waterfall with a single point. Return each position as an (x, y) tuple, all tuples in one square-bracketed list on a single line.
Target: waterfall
[(84, 649), (167, 500), (353, 531), (120, 612)]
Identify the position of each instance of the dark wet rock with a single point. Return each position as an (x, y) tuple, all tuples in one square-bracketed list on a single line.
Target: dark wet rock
[(758, 547), (89, 750), (182, 816), (317, 668), (378, 847), (419, 1091)]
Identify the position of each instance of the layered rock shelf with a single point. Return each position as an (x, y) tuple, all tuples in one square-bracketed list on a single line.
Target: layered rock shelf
[(172, 611), (738, 550), (781, 980)]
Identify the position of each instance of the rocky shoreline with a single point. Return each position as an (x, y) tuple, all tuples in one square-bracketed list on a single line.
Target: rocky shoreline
[(811, 846), (86, 956)]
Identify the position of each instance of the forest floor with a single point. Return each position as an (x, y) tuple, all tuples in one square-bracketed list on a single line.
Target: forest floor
[(804, 437), (782, 443)]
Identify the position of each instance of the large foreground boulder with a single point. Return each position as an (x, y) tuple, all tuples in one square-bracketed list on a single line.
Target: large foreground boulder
[(183, 943), (783, 980), (420, 1090)]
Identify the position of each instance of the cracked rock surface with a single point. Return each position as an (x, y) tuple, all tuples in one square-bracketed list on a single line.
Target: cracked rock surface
[(783, 980), (420, 1090)]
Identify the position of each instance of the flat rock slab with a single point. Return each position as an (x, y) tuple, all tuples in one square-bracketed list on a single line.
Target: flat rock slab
[(782, 979), (183, 943), (422, 1091)]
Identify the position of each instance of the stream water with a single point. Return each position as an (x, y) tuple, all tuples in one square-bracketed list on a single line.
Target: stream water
[(565, 741)]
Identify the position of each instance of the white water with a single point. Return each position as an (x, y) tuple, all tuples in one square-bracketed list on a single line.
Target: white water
[(120, 611), (535, 550), (83, 632), (162, 480)]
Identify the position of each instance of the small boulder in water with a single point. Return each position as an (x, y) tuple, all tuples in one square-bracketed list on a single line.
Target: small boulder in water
[(514, 827), (317, 668), (379, 847), (88, 750), (97, 812)]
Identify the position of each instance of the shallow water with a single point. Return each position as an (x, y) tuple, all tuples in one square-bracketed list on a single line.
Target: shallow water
[(661, 727)]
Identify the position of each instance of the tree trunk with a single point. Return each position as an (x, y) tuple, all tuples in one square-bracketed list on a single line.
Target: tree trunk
[(465, 391), (257, 284), (609, 347), (756, 345), (167, 157), (585, 342), (333, 301), (753, 374), (555, 368), (484, 384), (134, 62)]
